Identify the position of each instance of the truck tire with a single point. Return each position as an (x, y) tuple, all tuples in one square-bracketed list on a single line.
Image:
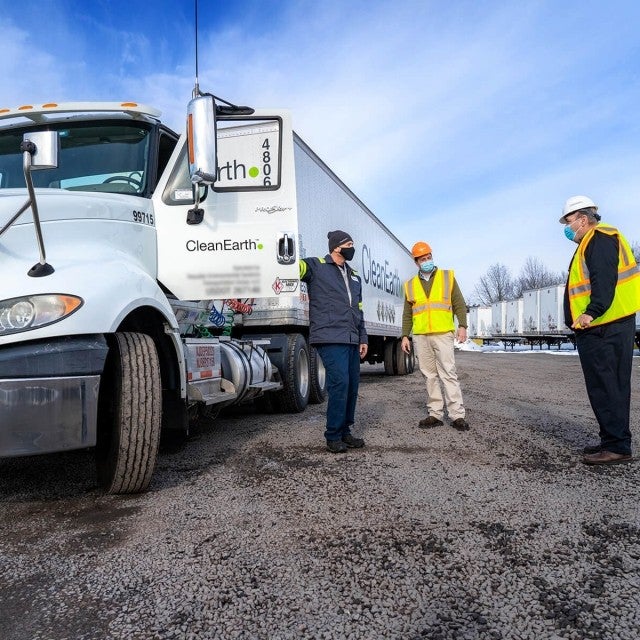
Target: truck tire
[(294, 397), (390, 368), (317, 378), (405, 362), (129, 414)]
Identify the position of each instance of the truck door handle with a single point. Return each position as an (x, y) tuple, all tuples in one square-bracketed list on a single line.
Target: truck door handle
[(286, 250)]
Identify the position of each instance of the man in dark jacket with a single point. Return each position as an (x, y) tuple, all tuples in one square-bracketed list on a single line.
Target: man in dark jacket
[(601, 300), (336, 330)]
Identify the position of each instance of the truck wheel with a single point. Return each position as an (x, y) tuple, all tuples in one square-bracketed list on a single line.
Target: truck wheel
[(390, 358), (405, 362), (129, 414), (318, 378), (294, 397)]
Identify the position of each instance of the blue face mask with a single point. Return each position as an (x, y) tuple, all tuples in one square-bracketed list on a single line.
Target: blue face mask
[(427, 266), (569, 233)]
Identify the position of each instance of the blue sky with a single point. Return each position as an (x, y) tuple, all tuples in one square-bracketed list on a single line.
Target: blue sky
[(463, 123)]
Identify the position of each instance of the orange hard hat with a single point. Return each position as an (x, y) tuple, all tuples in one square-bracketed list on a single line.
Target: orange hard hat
[(420, 249)]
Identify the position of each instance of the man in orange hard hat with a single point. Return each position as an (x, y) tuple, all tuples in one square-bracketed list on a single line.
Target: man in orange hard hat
[(432, 299)]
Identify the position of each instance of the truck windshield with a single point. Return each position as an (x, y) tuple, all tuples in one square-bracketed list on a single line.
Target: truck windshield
[(93, 156)]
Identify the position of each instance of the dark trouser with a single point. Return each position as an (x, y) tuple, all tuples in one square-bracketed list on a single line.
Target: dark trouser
[(606, 356), (342, 364)]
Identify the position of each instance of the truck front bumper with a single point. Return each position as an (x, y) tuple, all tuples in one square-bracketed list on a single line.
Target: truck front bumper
[(49, 394)]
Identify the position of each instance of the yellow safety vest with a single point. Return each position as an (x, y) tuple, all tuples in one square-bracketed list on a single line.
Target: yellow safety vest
[(435, 313), (626, 300)]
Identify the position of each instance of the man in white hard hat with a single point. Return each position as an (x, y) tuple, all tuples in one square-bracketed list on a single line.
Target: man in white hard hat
[(601, 299)]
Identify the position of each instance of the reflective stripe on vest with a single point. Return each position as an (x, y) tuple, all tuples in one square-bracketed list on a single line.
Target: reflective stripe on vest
[(435, 313), (626, 299)]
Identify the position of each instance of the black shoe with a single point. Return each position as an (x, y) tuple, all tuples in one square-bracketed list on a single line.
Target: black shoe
[(430, 422), (460, 424), (596, 448), (336, 446), (353, 443)]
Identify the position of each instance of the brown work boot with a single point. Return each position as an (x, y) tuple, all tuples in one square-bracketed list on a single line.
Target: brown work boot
[(430, 422), (607, 457), (460, 424)]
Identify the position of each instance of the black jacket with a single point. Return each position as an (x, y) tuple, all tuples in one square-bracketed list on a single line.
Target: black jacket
[(332, 320)]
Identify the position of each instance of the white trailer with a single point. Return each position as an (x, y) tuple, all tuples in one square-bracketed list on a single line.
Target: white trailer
[(499, 317), (531, 310), (479, 319), (552, 309), (130, 267), (514, 316)]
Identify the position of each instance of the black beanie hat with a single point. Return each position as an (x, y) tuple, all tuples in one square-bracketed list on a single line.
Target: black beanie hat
[(336, 238)]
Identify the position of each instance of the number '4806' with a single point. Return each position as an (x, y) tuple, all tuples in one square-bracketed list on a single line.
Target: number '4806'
[(266, 162)]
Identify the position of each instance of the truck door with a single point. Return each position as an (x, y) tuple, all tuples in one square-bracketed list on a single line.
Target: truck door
[(243, 242)]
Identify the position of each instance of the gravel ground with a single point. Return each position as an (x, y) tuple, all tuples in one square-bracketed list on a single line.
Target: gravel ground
[(252, 530)]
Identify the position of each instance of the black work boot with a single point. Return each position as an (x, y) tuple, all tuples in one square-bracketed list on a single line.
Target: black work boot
[(336, 446), (353, 443)]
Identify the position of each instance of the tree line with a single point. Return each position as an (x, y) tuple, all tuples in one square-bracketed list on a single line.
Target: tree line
[(498, 284)]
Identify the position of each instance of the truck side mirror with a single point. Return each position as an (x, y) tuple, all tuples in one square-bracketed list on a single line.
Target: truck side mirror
[(202, 140), (45, 155)]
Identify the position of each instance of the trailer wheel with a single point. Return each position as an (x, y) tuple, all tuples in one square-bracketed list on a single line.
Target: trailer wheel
[(390, 358), (294, 397), (129, 414), (405, 362), (411, 361), (318, 378)]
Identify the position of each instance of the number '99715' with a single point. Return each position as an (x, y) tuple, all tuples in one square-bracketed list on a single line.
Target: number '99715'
[(143, 218)]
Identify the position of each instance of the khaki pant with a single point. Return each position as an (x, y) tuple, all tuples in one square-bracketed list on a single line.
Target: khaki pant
[(437, 364)]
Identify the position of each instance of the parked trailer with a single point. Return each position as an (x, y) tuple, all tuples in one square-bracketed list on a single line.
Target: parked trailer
[(479, 319), (531, 310), (131, 254), (514, 316), (552, 308), (499, 317)]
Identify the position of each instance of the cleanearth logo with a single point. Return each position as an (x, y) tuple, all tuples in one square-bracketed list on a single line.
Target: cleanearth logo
[(224, 245), (378, 274)]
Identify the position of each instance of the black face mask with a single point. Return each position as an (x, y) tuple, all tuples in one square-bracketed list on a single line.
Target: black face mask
[(348, 252)]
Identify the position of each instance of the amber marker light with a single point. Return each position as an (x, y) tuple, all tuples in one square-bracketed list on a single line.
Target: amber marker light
[(190, 138), (71, 303)]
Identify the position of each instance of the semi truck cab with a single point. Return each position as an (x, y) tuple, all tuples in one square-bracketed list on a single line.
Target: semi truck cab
[(114, 241)]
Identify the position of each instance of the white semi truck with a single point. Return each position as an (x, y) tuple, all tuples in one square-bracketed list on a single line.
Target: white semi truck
[(147, 276)]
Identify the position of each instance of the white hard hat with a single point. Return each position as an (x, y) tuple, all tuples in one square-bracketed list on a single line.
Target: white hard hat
[(575, 204)]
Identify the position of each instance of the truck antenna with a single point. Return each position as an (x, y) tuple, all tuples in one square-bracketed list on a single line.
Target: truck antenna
[(196, 89), (230, 108)]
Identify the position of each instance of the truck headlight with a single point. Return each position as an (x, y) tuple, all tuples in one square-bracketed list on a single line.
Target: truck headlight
[(32, 312)]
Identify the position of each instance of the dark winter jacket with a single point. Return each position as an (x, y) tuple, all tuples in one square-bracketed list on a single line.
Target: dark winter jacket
[(332, 320)]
